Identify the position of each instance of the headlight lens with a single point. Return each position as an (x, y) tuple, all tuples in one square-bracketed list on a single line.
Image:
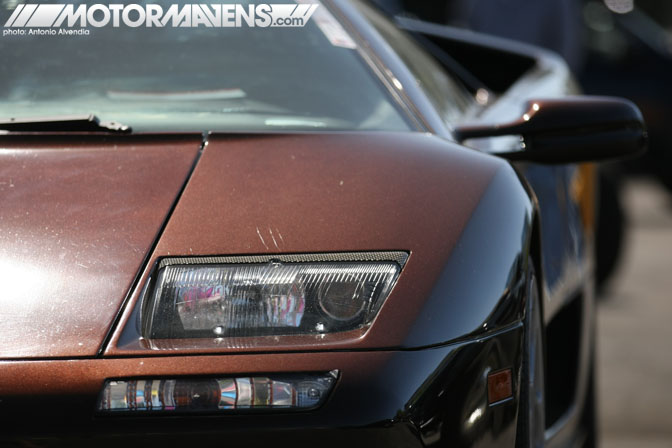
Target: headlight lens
[(259, 299)]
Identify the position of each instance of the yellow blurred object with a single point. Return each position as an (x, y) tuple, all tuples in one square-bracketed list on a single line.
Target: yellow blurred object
[(583, 191)]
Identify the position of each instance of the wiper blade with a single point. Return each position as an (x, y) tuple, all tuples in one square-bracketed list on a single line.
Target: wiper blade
[(62, 123)]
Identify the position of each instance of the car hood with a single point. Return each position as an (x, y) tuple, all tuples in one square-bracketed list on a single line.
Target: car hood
[(317, 193), (78, 217), (84, 219)]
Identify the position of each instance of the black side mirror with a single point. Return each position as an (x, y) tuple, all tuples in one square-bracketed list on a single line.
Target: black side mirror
[(570, 130)]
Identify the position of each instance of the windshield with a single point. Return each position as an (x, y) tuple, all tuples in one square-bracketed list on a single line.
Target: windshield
[(199, 78)]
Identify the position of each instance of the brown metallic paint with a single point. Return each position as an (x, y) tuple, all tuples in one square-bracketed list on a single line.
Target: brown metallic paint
[(79, 214), (324, 193), (86, 377)]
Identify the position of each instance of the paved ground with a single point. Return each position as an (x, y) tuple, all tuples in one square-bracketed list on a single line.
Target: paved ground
[(635, 329)]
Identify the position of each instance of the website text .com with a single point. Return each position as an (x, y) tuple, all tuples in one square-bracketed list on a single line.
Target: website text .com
[(154, 15)]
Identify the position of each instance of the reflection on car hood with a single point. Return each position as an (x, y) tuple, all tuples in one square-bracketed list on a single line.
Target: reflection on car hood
[(79, 214)]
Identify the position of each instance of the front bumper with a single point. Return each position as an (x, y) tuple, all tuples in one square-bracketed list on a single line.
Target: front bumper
[(382, 398)]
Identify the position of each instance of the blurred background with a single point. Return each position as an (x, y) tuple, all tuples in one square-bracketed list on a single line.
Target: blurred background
[(621, 48)]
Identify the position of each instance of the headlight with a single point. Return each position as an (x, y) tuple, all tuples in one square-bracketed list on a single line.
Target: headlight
[(277, 297)]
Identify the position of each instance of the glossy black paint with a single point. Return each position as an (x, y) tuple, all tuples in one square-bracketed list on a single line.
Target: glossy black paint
[(570, 130), (563, 195)]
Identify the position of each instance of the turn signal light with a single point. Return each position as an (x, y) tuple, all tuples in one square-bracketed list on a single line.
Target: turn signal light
[(500, 386), (225, 394)]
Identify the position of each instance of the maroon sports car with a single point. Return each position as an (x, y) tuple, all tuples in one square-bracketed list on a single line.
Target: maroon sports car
[(351, 233)]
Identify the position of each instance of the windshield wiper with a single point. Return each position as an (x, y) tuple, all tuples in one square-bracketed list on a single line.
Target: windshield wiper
[(62, 123)]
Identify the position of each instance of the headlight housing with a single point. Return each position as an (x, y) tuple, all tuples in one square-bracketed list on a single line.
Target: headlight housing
[(224, 297)]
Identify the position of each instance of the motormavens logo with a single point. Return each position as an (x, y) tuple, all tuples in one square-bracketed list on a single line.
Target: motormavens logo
[(46, 18)]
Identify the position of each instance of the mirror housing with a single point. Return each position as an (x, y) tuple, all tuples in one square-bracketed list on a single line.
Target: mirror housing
[(570, 130)]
